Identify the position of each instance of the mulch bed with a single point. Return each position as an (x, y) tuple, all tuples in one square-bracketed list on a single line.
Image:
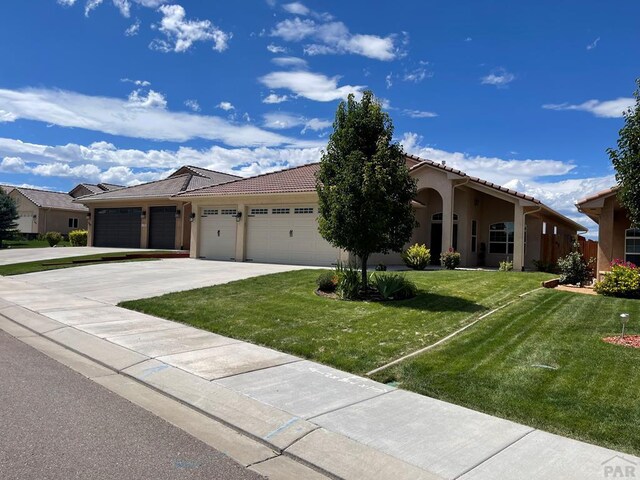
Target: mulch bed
[(370, 296), (628, 340)]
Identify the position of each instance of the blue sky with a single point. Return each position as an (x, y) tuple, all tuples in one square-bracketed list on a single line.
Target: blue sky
[(528, 95)]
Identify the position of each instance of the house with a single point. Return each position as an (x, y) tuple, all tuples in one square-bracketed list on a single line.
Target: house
[(616, 238), (147, 215), (83, 189), (42, 211), (273, 218)]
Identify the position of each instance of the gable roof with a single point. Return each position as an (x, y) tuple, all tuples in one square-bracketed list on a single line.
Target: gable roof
[(109, 186), (218, 177), (601, 194), (47, 199), (92, 189)]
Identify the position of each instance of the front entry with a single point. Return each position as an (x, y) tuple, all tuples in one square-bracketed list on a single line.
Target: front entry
[(436, 241)]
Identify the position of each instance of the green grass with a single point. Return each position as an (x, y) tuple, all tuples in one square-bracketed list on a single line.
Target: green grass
[(55, 264), (32, 244), (592, 395), (282, 312)]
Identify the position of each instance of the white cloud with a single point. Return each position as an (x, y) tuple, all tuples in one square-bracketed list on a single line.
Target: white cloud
[(13, 165), (296, 8), (334, 38), (116, 117), (133, 29), (313, 86), (103, 162), (66, 3), (599, 108), (293, 62), (226, 106), (273, 98), (593, 44), (180, 34), (7, 116), (91, 5), (419, 113), (499, 77), (124, 6), (316, 124), (417, 75), (283, 121), (388, 80), (153, 99), (192, 104), (139, 83), (276, 48)]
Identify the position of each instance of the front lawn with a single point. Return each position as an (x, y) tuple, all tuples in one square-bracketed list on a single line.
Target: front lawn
[(32, 244), (282, 312), (55, 264), (541, 362)]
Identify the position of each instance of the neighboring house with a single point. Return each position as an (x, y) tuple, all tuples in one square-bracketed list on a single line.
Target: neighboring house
[(42, 211), (616, 238), (147, 215), (83, 189), (273, 218)]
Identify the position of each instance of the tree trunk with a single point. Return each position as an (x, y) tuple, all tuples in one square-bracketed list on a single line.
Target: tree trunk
[(365, 279)]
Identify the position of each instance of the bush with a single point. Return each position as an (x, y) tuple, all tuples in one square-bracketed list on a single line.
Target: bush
[(450, 260), (393, 286), (349, 281), (548, 267), (327, 282), (53, 238), (78, 238), (621, 281), (417, 256), (574, 269), (506, 266), (381, 267)]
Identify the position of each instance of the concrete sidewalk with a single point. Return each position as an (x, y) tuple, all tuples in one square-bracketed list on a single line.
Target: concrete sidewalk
[(20, 255), (339, 424)]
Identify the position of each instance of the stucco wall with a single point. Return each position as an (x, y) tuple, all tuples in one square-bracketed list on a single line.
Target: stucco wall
[(58, 221), (26, 210)]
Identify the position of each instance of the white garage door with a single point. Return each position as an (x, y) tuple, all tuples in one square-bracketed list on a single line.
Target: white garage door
[(218, 233), (287, 234)]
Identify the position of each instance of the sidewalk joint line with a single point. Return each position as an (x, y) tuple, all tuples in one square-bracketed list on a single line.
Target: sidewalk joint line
[(333, 410), (256, 370)]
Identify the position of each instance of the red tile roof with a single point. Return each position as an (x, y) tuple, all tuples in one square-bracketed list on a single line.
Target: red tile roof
[(604, 193)]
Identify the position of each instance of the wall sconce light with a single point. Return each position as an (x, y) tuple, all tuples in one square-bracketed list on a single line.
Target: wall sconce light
[(238, 216), (192, 217), (143, 214), (177, 213), (88, 215), (35, 218)]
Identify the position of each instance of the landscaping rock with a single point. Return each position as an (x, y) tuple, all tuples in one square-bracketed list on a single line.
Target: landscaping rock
[(553, 283)]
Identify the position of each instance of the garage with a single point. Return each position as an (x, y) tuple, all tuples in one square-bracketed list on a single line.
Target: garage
[(117, 227), (287, 234), (162, 227), (218, 233)]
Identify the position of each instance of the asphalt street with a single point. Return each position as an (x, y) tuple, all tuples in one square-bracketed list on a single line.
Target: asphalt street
[(57, 424)]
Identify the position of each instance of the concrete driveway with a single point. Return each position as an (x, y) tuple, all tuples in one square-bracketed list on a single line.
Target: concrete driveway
[(20, 255), (116, 282)]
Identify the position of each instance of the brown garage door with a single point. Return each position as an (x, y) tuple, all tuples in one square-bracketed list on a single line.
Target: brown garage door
[(117, 227)]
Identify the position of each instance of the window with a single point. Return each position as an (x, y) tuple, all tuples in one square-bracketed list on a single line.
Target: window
[(210, 211), (303, 210), (259, 211), (555, 229), (501, 237), (73, 223), (280, 211), (437, 217), (632, 245), (228, 211), (474, 235), (544, 228)]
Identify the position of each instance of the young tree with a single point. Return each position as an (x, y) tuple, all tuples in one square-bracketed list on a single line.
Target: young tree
[(363, 185), (8, 215), (626, 161)]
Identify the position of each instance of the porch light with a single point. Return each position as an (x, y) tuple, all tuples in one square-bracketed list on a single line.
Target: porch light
[(238, 216), (624, 319), (88, 215), (192, 217), (143, 214), (177, 213)]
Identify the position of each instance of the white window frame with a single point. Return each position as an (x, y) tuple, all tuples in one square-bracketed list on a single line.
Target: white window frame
[(281, 211), (635, 236), (474, 236), (507, 243), (73, 222)]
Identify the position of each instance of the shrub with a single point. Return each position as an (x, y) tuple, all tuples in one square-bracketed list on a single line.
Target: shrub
[(506, 266), (78, 238), (450, 260), (53, 238), (327, 282), (574, 269), (349, 281), (548, 267), (621, 281), (417, 256), (381, 267), (393, 286)]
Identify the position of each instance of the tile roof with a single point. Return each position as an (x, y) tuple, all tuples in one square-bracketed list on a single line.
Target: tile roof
[(109, 186), (604, 193), (46, 199), (291, 180), (218, 177)]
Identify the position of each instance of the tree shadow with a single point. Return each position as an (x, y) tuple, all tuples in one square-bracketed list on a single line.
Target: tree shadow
[(433, 302)]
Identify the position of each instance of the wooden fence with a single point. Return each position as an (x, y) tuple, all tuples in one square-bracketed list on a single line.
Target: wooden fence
[(556, 246)]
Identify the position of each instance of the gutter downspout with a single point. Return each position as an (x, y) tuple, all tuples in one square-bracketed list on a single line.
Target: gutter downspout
[(525, 220), (453, 202)]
